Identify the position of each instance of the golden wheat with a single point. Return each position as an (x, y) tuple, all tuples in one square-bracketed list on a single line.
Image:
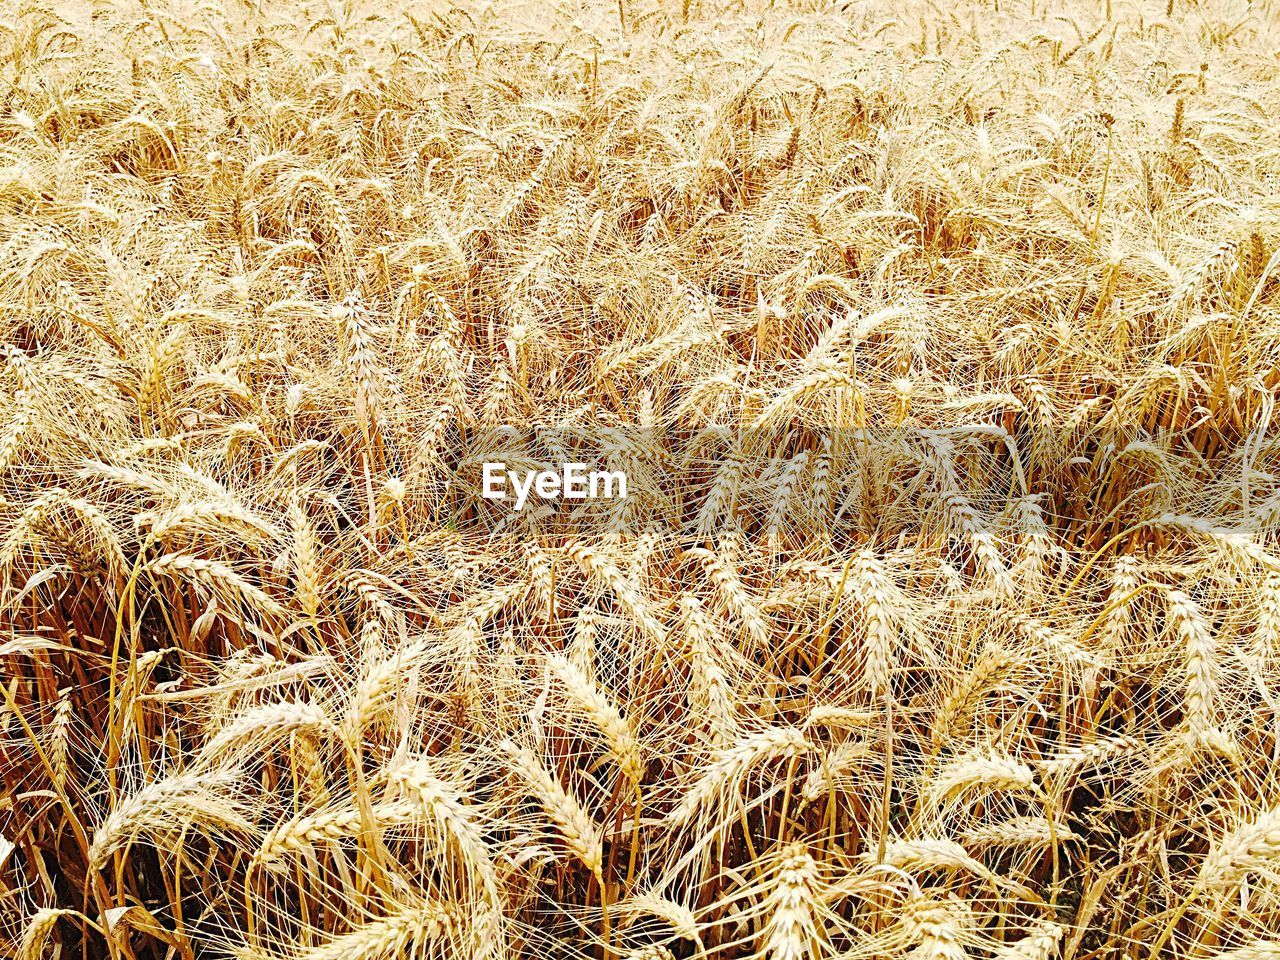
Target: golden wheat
[(938, 351)]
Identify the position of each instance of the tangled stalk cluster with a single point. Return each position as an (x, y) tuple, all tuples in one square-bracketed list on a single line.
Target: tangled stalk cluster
[(938, 344)]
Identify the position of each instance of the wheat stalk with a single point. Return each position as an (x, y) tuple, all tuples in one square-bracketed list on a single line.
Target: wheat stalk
[(575, 826)]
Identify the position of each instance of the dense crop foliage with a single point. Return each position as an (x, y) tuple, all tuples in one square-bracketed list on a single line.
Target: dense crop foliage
[(938, 344)]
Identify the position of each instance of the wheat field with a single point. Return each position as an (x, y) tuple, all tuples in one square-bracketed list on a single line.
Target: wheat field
[(937, 344)]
